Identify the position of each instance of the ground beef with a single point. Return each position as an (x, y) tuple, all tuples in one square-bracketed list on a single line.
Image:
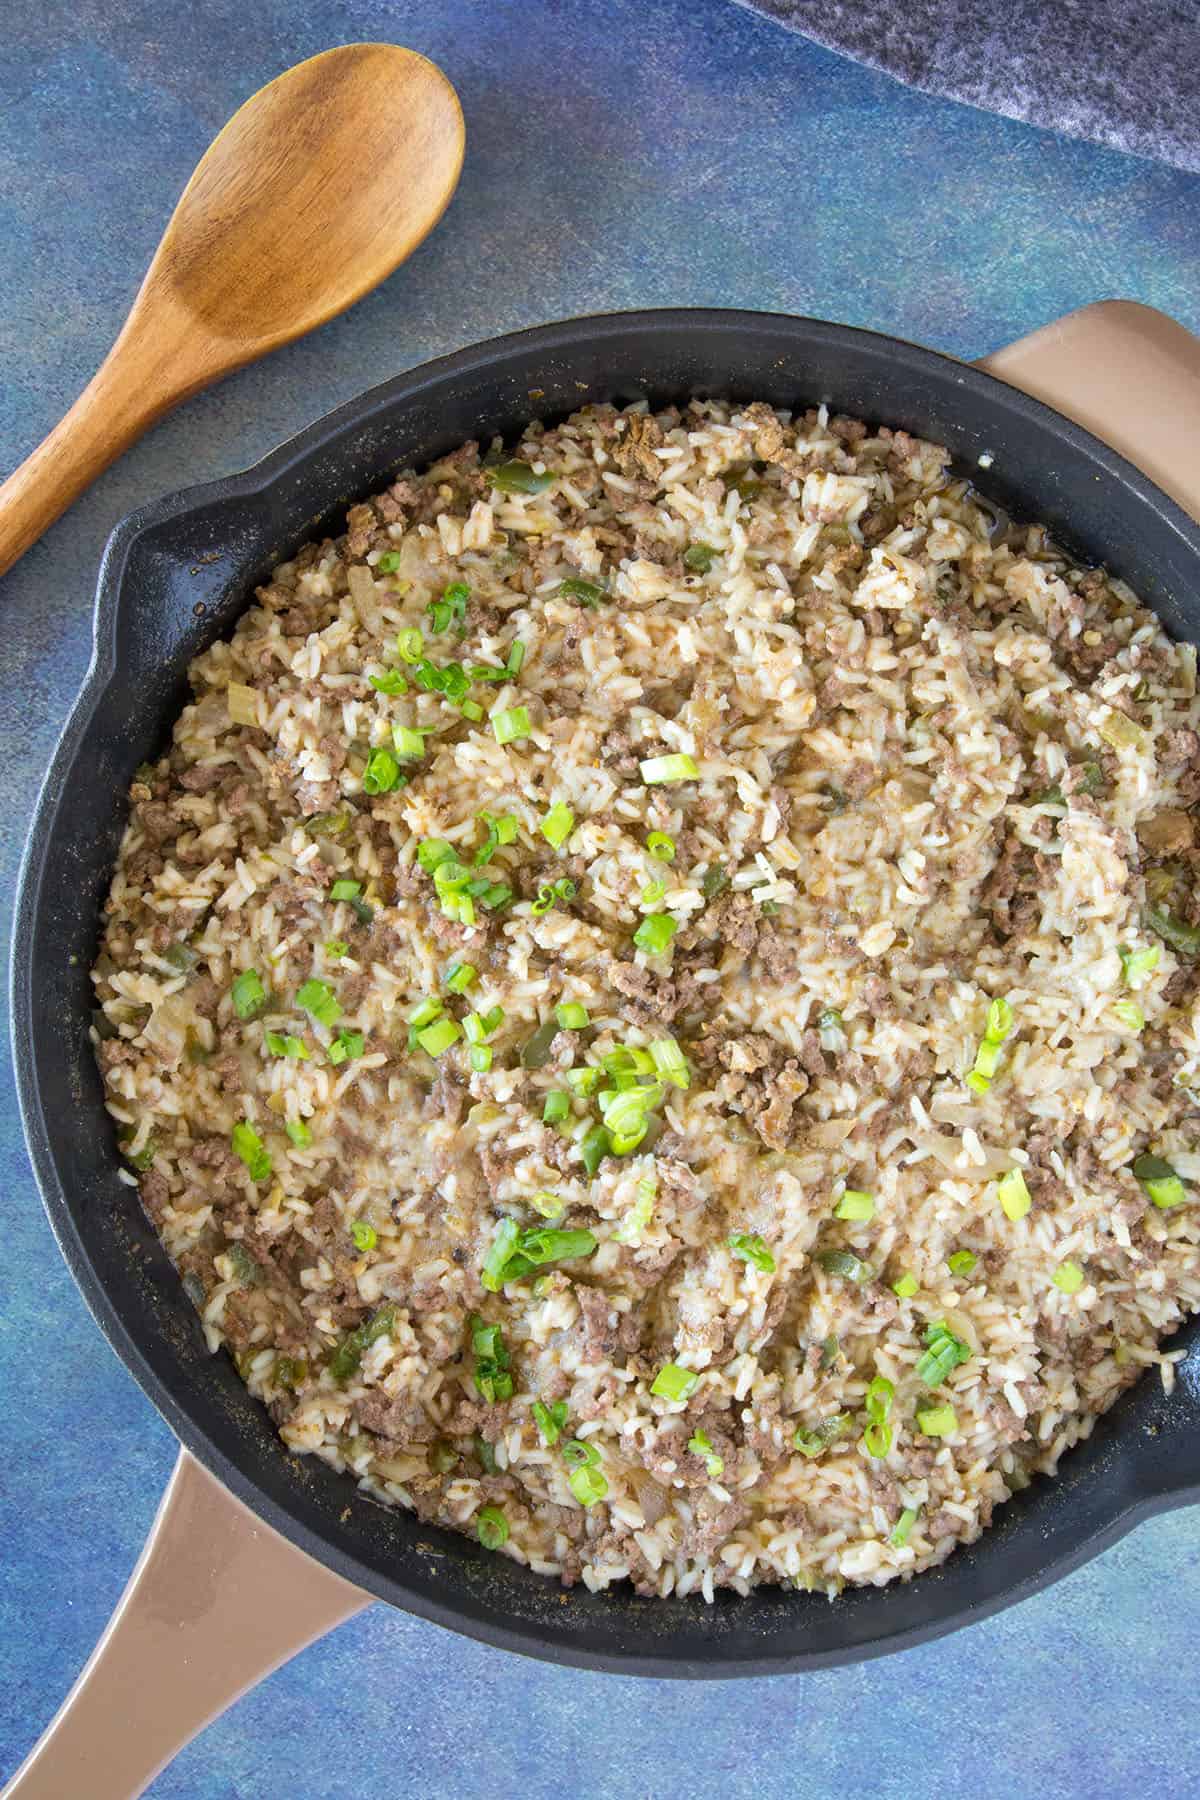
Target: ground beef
[(599, 1326), (402, 1421)]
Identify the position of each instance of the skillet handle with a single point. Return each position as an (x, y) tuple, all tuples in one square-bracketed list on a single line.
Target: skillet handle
[(1126, 373), (217, 1601)]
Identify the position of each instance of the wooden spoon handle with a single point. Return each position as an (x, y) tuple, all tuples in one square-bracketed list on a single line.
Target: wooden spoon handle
[(134, 386), (217, 1601)]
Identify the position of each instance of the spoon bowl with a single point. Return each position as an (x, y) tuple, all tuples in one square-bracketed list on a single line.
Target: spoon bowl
[(317, 189)]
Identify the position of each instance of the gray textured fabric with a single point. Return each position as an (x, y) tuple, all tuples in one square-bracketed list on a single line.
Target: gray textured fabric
[(1125, 75)]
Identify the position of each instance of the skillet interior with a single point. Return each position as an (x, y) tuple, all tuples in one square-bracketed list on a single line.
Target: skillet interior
[(174, 577)]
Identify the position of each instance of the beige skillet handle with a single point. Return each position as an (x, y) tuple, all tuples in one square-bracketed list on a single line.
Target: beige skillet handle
[(1127, 373), (216, 1602)]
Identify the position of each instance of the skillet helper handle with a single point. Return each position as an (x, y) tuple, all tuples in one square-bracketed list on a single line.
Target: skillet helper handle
[(216, 1602), (1126, 373)]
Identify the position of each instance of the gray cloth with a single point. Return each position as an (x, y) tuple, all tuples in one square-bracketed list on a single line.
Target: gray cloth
[(1128, 76)]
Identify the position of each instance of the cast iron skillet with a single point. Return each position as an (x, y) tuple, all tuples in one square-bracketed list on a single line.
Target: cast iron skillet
[(174, 577)]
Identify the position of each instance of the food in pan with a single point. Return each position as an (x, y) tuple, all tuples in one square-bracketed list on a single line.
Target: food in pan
[(653, 998)]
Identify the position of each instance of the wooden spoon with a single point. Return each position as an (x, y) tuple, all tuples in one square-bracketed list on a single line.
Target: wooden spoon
[(318, 187)]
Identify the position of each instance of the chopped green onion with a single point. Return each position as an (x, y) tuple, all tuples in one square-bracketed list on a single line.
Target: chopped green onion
[(346, 1046), (831, 1029), (473, 1028), (480, 1057), (461, 976), (749, 1247), (336, 948), (349, 1354), (699, 558), (519, 478), (408, 741), (877, 1439), (1068, 1277), (669, 1062), (660, 769), (451, 609), (700, 1444), (855, 1205), (556, 1108), (1013, 1195), (588, 1486), (558, 825), (450, 876), (513, 1253), (410, 644), (1130, 1013), (714, 881), (390, 682), (491, 1527), (987, 1057), (320, 1002), (249, 994), (382, 773), (937, 1421), (1160, 1182), (843, 1262), (500, 1254), (943, 1354), (550, 1419), (575, 588), (432, 852), (365, 1236), (551, 1206), (426, 1012), (511, 724), (655, 933), (879, 1397), (515, 659), (438, 1037), (541, 1245), (249, 1146), (291, 1046), (1138, 964), (902, 1528), (661, 847), (810, 1440), (674, 1382), (962, 1262), (299, 1133), (577, 1453), (625, 1113), (999, 1021), (653, 892), (389, 562), (345, 890), (630, 1230), (471, 709), (594, 1146), (1184, 939), (493, 1382), (583, 1082), (572, 1015), (907, 1285)]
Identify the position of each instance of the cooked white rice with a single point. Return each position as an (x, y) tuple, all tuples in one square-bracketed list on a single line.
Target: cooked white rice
[(937, 765)]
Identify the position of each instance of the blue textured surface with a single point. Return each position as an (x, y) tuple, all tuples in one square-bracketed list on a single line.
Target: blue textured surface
[(619, 154)]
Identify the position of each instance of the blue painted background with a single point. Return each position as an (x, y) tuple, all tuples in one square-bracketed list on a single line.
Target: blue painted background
[(620, 154)]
